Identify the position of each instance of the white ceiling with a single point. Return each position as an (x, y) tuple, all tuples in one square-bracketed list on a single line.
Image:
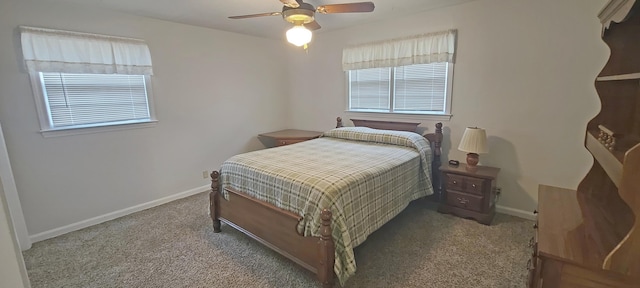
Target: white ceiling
[(214, 13)]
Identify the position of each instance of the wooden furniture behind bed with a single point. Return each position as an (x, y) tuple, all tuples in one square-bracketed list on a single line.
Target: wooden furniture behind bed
[(288, 137), (276, 228)]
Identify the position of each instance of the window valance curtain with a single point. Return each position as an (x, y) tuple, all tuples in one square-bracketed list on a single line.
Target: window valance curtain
[(48, 50), (421, 49)]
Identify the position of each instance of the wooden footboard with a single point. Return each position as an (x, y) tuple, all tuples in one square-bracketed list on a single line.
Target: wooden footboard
[(276, 229)]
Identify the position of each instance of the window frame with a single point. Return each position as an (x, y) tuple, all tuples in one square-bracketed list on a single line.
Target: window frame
[(47, 129), (445, 116)]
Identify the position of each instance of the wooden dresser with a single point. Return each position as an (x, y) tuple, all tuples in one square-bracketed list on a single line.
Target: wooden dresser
[(469, 193), (590, 237)]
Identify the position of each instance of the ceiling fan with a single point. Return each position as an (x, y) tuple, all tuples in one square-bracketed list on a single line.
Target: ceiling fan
[(302, 15)]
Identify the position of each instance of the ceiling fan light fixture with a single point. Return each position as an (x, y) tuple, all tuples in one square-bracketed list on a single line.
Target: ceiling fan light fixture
[(300, 14), (299, 35), (303, 14), (298, 18)]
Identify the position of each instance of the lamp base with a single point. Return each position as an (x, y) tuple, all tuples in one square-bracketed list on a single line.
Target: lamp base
[(472, 160)]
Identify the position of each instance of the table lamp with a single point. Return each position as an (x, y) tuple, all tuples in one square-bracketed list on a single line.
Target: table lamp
[(474, 142)]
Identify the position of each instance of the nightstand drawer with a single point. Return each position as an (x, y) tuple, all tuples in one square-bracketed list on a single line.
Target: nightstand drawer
[(287, 137), (473, 185), (454, 182), (463, 200), (289, 141), (464, 183)]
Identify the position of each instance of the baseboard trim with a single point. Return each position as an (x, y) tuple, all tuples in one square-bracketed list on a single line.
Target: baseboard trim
[(516, 212), (113, 215), (117, 214)]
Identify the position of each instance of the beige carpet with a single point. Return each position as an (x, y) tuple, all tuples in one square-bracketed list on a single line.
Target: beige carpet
[(173, 245)]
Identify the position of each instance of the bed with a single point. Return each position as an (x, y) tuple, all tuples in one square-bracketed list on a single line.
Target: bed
[(314, 201)]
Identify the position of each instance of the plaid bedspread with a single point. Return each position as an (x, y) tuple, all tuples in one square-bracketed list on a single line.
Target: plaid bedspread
[(365, 176)]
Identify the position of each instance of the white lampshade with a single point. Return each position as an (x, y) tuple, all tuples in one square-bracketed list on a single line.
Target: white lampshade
[(299, 35), (474, 140)]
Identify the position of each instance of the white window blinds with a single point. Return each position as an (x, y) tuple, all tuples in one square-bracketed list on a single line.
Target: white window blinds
[(421, 49), (370, 89), (48, 50), (90, 99), (83, 80), (420, 88)]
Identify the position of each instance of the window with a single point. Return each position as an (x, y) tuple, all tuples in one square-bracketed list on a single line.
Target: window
[(88, 100), (408, 75), (411, 89), (88, 81)]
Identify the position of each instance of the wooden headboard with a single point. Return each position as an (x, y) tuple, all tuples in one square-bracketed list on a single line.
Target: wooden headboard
[(386, 125), (434, 138)]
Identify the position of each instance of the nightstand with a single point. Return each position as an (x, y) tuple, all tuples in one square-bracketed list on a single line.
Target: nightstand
[(288, 136), (469, 193)]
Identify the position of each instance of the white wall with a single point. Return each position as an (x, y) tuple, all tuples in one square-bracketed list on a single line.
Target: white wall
[(11, 195), (214, 92), (524, 71), (12, 270)]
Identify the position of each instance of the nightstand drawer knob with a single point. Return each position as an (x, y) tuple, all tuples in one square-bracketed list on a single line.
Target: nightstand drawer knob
[(455, 182), (473, 185)]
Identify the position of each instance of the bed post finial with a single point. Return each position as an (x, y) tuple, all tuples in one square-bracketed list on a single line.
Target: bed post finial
[(214, 201), (339, 122), (438, 140), (327, 249)]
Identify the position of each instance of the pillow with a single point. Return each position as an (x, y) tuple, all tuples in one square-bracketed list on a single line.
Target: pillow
[(365, 134)]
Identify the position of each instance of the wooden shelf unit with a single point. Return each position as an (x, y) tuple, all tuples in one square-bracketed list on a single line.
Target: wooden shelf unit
[(565, 240), (610, 193), (630, 76), (590, 237), (611, 161)]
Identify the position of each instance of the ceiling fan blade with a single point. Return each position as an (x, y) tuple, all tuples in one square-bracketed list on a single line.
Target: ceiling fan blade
[(290, 3), (313, 25), (346, 8), (256, 15)]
